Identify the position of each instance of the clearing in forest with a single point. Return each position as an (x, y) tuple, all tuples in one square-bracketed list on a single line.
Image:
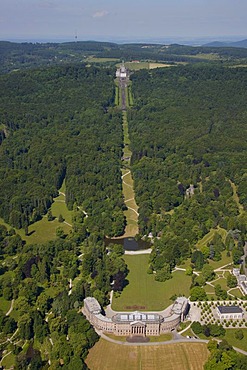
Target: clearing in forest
[(124, 94)]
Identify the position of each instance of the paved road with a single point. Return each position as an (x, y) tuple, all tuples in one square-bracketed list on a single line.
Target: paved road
[(172, 341)]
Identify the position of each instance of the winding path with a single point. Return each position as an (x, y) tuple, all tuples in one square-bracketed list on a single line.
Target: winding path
[(11, 308), (126, 174), (131, 213)]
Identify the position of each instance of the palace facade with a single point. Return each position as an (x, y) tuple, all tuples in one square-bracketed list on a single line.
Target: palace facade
[(136, 323)]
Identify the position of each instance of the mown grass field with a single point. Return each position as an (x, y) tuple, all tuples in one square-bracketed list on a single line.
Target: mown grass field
[(41, 231), (225, 260), (236, 197), (133, 66), (128, 191), (237, 293), (59, 207), (182, 356), (209, 56), (160, 338), (160, 65), (101, 60), (136, 66), (2, 222), (44, 230), (144, 291), (8, 361)]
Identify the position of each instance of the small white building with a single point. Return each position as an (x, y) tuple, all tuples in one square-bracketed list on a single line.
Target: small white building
[(190, 192), (236, 271), (243, 286), (230, 312), (242, 280)]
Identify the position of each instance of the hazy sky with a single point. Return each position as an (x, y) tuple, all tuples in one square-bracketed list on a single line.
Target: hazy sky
[(117, 18)]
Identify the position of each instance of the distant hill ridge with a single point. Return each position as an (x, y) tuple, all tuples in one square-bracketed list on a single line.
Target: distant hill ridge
[(235, 44)]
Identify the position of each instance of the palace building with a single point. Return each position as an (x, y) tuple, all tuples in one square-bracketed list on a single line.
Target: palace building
[(121, 72), (136, 323)]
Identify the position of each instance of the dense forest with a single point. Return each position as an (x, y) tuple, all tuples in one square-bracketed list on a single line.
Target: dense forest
[(14, 56), (46, 323), (188, 138), (60, 124)]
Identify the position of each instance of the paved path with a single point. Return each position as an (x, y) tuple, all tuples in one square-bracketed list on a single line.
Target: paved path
[(65, 222), (132, 209), (222, 267), (172, 341), (187, 327), (142, 251), (11, 308), (123, 176)]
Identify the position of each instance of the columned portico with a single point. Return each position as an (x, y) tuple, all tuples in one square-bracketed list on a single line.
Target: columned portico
[(138, 328)]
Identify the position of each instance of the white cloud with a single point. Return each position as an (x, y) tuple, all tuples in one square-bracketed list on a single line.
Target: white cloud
[(100, 14)]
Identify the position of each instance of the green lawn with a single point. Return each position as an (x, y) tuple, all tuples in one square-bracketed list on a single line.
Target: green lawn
[(161, 338), (188, 332), (63, 187), (4, 305), (221, 282), (146, 293), (116, 96), (209, 236), (185, 264), (2, 222), (101, 60), (59, 207), (8, 361), (236, 197), (236, 292), (43, 231), (135, 66), (224, 261), (230, 337), (131, 101), (209, 288)]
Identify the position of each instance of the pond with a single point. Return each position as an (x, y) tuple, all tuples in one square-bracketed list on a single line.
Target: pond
[(129, 244)]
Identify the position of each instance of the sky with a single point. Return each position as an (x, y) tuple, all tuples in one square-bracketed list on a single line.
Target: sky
[(121, 19)]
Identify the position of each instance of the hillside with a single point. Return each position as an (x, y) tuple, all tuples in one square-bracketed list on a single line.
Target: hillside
[(235, 44)]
